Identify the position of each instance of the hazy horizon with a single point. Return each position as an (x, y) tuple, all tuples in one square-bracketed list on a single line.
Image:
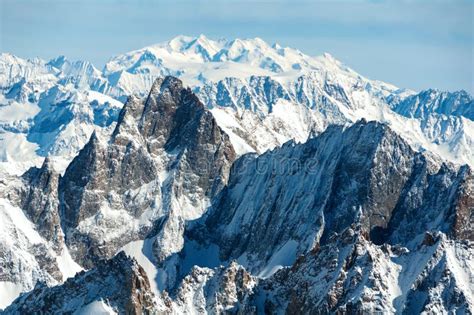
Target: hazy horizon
[(412, 44)]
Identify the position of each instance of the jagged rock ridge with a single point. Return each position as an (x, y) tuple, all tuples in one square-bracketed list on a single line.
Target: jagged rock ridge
[(365, 173), (165, 158), (321, 226), (343, 207), (120, 283)]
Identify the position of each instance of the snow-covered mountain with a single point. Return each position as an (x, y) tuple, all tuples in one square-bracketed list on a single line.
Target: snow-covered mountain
[(431, 101), (118, 286), (163, 162), (276, 182), (261, 95), (200, 60), (333, 224), (31, 239), (48, 109)]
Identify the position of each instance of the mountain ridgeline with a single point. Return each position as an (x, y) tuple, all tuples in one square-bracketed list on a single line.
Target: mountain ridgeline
[(166, 155), (261, 95), (333, 224)]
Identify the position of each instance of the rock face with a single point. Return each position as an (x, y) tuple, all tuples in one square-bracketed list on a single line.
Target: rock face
[(119, 283), (265, 115), (426, 102), (303, 194), (217, 291), (165, 158), (32, 245), (352, 221), (39, 200), (25, 256), (352, 275), (363, 222)]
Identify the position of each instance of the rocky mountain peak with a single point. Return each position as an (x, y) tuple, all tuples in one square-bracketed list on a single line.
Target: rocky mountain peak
[(120, 283), (458, 103), (364, 175), (38, 197), (165, 155), (34, 174), (169, 106), (169, 85)]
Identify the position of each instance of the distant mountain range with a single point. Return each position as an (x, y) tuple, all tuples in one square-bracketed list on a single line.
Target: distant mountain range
[(261, 95)]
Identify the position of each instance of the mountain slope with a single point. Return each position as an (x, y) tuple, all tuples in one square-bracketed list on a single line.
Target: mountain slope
[(44, 114), (352, 275), (364, 174), (426, 102), (336, 223), (354, 220), (164, 160), (116, 286), (31, 239)]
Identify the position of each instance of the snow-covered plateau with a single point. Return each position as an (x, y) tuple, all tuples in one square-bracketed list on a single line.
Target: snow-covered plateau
[(202, 176)]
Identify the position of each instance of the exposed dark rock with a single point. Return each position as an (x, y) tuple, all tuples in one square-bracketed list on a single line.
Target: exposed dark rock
[(120, 282), (307, 193), (39, 200), (170, 132)]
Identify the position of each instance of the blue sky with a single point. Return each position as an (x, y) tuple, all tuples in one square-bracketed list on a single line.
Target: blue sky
[(413, 44)]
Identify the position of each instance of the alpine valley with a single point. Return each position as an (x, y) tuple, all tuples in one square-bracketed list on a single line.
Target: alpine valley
[(203, 176)]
